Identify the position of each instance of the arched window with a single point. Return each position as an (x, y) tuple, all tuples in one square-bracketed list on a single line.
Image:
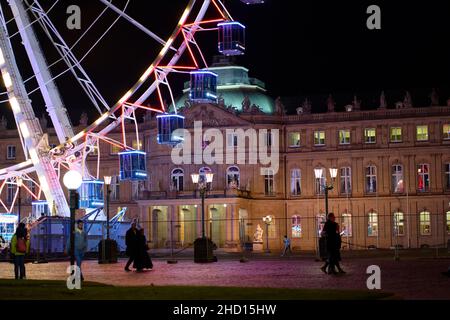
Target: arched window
[(320, 182), (177, 178), (321, 219), (296, 189), (371, 179), (346, 225), (399, 224), (397, 178), (296, 227), (448, 222), (423, 177), (202, 173), (372, 226), (233, 177), (425, 223)]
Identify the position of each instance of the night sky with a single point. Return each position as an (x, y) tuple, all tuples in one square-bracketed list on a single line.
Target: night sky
[(306, 48)]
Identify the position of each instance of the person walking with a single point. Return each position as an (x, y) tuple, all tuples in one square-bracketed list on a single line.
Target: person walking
[(142, 260), (287, 246), (20, 245), (80, 246), (131, 241), (331, 233)]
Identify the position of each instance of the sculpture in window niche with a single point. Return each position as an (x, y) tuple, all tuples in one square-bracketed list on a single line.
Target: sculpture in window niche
[(330, 103), (3, 123), (383, 103), (407, 101), (84, 119), (246, 104), (258, 235), (434, 97)]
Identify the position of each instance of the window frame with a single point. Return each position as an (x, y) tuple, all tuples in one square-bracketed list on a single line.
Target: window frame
[(391, 140), (346, 179), (317, 138), (422, 126), (233, 173), (395, 176), (9, 151), (269, 182), (177, 179), (368, 176), (397, 223), (366, 136), (423, 223), (298, 144), (421, 173), (296, 222), (341, 135), (372, 220), (296, 182), (446, 134)]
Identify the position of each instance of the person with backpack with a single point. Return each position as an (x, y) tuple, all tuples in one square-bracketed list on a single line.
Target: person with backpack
[(20, 245)]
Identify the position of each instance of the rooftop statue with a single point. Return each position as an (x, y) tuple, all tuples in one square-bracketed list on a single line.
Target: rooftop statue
[(330, 103), (246, 104), (434, 97), (407, 101), (383, 103), (356, 103)]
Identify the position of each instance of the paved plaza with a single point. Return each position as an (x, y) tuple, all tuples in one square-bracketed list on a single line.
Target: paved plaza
[(418, 278)]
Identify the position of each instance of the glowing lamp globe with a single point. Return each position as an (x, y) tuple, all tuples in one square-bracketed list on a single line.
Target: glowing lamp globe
[(72, 180)]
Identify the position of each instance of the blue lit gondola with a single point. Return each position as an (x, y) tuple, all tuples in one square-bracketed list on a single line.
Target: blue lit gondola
[(91, 194), (167, 126), (203, 86), (132, 165), (231, 38)]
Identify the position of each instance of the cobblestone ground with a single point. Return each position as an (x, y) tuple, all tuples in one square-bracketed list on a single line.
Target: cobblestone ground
[(409, 279)]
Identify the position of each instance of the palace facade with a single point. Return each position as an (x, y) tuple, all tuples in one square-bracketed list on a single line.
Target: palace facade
[(392, 185)]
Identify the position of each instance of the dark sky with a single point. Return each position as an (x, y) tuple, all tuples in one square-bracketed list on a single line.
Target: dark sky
[(299, 48)]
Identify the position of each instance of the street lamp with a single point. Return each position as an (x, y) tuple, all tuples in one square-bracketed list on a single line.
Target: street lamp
[(202, 247), (268, 221), (19, 182), (72, 180), (108, 247), (326, 187)]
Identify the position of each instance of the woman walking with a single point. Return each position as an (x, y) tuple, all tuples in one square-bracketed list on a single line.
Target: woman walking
[(142, 260), (20, 245)]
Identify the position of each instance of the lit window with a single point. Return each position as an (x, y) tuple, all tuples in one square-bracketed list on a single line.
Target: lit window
[(397, 179), (399, 224), (269, 182), (446, 132), (202, 176), (448, 222), (344, 136), (232, 139), (371, 179), (296, 227), (425, 223), (294, 139), (177, 178), (423, 177), (115, 187), (10, 192), (422, 133), (320, 223), (346, 229), (233, 177), (115, 149), (296, 182), (346, 180), (319, 138), (319, 183), (10, 152), (137, 146), (447, 176), (396, 134), (370, 135), (372, 227)]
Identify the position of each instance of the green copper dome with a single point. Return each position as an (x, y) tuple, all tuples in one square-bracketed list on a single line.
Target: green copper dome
[(233, 85)]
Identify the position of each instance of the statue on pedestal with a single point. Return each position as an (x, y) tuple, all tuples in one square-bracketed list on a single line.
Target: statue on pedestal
[(330, 103), (258, 235)]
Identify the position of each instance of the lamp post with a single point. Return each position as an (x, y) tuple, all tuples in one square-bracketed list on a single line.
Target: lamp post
[(19, 182), (72, 180), (326, 187), (202, 250), (268, 221), (107, 247)]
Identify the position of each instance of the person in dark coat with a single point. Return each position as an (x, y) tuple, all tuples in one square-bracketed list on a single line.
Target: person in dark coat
[(142, 260), (131, 239), (332, 242)]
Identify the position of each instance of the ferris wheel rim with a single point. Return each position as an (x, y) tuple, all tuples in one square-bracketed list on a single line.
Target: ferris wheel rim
[(153, 66)]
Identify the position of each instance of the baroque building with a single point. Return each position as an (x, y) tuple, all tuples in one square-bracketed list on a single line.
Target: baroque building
[(392, 185)]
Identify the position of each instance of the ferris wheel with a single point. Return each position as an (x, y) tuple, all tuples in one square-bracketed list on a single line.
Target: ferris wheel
[(43, 164)]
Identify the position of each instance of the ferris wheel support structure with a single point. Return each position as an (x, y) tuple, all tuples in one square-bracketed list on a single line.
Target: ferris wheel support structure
[(36, 144), (50, 93)]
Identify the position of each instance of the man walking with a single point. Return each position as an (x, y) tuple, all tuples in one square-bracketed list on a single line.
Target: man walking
[(332, 242), (287, 246), (80, 246), (131, 241)]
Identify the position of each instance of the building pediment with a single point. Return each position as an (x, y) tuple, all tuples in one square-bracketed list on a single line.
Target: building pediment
[(212, 116)]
